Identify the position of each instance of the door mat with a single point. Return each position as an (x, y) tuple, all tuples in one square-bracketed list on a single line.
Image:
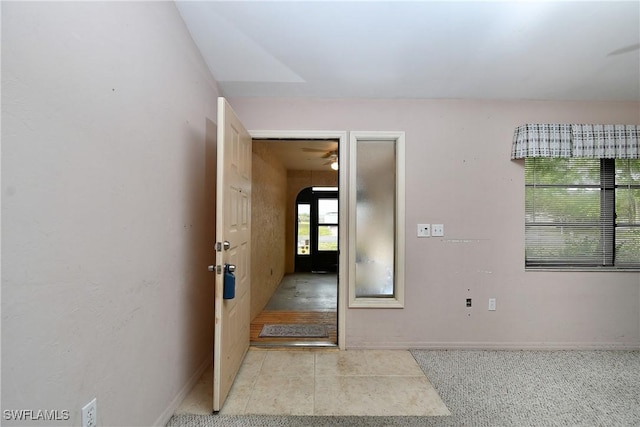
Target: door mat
[(294, 331)]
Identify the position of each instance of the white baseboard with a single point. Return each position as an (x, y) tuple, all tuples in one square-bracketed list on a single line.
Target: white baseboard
[(493, 346), (166, 415)]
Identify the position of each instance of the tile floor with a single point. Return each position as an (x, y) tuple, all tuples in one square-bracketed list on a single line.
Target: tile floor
[(323, 382)]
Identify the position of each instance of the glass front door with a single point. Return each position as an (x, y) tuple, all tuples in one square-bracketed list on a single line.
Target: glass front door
[(317, 229)]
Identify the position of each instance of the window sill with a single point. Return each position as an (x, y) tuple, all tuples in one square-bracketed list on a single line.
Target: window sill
[(376, 303)]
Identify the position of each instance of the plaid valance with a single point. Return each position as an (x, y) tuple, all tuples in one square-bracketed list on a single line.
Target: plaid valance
[(575, 140)]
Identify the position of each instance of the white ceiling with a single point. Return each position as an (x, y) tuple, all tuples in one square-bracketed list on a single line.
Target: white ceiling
[(562, 50)]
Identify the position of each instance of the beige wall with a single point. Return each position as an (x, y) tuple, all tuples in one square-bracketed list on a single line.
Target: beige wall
[(459, 173), (268, 204), (107, 210), (297, 181)]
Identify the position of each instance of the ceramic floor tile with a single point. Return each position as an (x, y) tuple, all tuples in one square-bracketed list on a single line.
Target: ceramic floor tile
[(367, 362), (252, 363), (200, 398), (377, 396), (240, 392), (237, 399), (273, 395), (352, 382), (288, 364)]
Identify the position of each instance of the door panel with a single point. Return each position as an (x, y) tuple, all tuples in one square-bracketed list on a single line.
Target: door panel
[(233, 224)]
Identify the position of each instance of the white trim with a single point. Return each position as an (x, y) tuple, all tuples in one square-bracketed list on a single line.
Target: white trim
[(298, 134), (493, 346), (399, 138), (343, 270)]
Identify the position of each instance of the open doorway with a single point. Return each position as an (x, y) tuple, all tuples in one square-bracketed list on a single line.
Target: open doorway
[(295, 225)]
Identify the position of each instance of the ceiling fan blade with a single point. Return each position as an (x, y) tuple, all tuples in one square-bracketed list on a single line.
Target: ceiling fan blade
[(314, 150)]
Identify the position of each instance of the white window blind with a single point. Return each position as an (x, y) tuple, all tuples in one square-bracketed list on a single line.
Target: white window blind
[(582, 212)]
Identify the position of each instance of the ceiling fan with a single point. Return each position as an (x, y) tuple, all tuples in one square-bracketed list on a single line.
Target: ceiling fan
[(331, 155)]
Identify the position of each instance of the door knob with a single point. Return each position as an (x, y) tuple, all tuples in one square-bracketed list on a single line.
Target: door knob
[(212, 268), (231, 268)]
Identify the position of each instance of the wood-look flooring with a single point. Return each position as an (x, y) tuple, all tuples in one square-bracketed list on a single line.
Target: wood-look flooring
[(328, 318)]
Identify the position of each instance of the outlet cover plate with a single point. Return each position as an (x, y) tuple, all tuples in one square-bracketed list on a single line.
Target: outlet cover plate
[(90, 414)]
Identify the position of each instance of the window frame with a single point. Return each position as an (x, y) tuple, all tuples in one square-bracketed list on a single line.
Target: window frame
[(607, 223), (397, 300), (328, 224)]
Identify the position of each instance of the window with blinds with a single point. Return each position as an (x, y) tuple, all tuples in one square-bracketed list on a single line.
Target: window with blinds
[(582, 212)]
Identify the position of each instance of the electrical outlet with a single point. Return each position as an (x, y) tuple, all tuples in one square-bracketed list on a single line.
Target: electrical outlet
[(90, 414), (424, 230), (468, 302), (492, 304)]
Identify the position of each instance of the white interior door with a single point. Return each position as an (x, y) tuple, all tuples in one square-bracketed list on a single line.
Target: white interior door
[(233, 225)]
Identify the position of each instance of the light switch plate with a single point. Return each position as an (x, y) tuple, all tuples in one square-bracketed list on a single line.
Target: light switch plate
[(437, 230), (424, 230)]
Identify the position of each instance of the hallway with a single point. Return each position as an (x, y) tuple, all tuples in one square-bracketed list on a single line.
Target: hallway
[(305, 292), (301, 298)]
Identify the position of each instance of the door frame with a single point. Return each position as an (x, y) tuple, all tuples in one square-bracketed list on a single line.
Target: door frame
[(343, 197)]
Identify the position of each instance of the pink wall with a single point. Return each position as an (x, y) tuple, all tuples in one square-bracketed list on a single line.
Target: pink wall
[(107, 213), (459, 173)]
